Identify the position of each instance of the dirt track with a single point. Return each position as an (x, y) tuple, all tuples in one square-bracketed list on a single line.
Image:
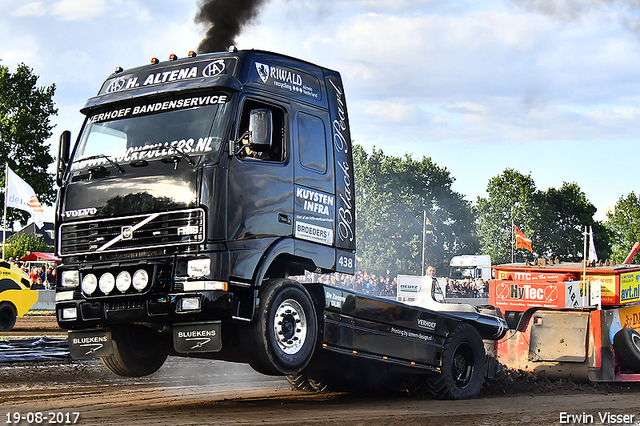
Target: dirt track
[(189, 392)]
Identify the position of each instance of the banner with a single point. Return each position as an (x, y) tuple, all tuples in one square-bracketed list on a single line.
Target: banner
[(593, 256), (522, 241), (21, 196), (429, 232)]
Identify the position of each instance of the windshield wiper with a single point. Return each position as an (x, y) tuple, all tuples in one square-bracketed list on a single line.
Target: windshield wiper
[(183, 155), (106, 157), (174, 148)]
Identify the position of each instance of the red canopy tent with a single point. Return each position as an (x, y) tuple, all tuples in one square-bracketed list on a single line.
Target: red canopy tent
[(40, 257)]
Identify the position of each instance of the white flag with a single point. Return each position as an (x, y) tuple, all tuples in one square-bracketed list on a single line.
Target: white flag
[(21, 196), (593, 256)]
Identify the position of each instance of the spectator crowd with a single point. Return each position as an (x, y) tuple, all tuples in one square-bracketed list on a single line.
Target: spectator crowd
[(44, 276), (41, 275), (386, 285)]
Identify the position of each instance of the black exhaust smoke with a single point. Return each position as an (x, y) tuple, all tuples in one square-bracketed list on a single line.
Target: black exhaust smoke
[(227, 18)]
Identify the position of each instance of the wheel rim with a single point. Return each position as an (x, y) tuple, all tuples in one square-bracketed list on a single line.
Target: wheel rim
[(290, 326), (462, 365)]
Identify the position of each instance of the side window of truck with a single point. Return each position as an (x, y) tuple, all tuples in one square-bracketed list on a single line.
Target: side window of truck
[(278, 134), (311, 140)]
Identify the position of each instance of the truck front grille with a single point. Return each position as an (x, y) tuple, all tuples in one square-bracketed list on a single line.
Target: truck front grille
[(145, 231)]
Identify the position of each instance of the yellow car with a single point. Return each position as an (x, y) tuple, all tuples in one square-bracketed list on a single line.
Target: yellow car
[(16, 296)]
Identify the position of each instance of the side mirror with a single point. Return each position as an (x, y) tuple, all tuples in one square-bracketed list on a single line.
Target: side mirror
[(63, 156), (260, 124)]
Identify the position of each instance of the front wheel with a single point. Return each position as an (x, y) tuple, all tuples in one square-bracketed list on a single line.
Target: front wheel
[(463, 365), (285, 330), (137, 351)]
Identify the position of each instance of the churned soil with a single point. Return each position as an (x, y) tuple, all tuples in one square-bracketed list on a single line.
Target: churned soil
[(194, 392), (35, 324)]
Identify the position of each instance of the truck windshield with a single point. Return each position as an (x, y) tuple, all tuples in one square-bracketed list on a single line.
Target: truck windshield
[(188, 125), (462, 272)]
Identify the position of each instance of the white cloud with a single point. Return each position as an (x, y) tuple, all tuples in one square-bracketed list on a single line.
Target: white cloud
[(601, 214), (78, 10), (393, 112), (30, 9), (491, 80)]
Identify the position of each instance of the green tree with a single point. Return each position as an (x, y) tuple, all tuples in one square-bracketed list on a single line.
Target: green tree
[(392, 194), (20, 245), (554, 220), (25, 112), (623, 224), (564, 213), (512, 199)]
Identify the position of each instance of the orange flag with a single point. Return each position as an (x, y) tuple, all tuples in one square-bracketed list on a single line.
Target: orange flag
[(522, 241)]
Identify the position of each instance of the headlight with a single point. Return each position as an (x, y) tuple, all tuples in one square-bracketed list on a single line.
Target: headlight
[(198, 268), (123, 282), (69, 313), (89, 284), (140, 279), (107, 282), (190, 304), (70, 279)]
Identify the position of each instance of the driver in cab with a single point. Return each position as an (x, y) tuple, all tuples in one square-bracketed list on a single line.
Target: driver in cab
[(248, 153)]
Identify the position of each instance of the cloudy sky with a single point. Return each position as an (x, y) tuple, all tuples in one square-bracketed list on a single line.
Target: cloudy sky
[(547, 87)]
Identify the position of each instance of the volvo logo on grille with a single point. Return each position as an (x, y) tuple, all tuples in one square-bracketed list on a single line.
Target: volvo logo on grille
[(127, 233)]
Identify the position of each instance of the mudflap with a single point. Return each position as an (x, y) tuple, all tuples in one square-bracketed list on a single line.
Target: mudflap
[(197, 337), (90, 343), (493, 367)]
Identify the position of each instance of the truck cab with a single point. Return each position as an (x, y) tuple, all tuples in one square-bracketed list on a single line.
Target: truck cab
[(469, 266), (194, 189)]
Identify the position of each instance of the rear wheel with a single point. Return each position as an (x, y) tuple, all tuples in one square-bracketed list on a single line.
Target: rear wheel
[(8, 316), (299, 382), (463, 365), (284, 332), (137, 351)]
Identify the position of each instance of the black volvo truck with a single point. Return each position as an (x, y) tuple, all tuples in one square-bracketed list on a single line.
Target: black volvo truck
[(196, 188)]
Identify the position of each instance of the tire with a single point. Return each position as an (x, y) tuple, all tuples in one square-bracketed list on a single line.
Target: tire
[(320, 385), (513, 319), (463, 365), (302, 382), (8, 316), (284, 332), (299, 382), (137, 351), (627, 344), (414, 386)]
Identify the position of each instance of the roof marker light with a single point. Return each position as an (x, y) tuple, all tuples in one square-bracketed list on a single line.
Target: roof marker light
[(192, 54), (173, 57), (119, 70), (154, 61)]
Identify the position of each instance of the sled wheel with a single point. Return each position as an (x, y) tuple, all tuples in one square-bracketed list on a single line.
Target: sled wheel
[(8, 316), (284, 332), (463, 365), (137, 351), (627, 344)]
